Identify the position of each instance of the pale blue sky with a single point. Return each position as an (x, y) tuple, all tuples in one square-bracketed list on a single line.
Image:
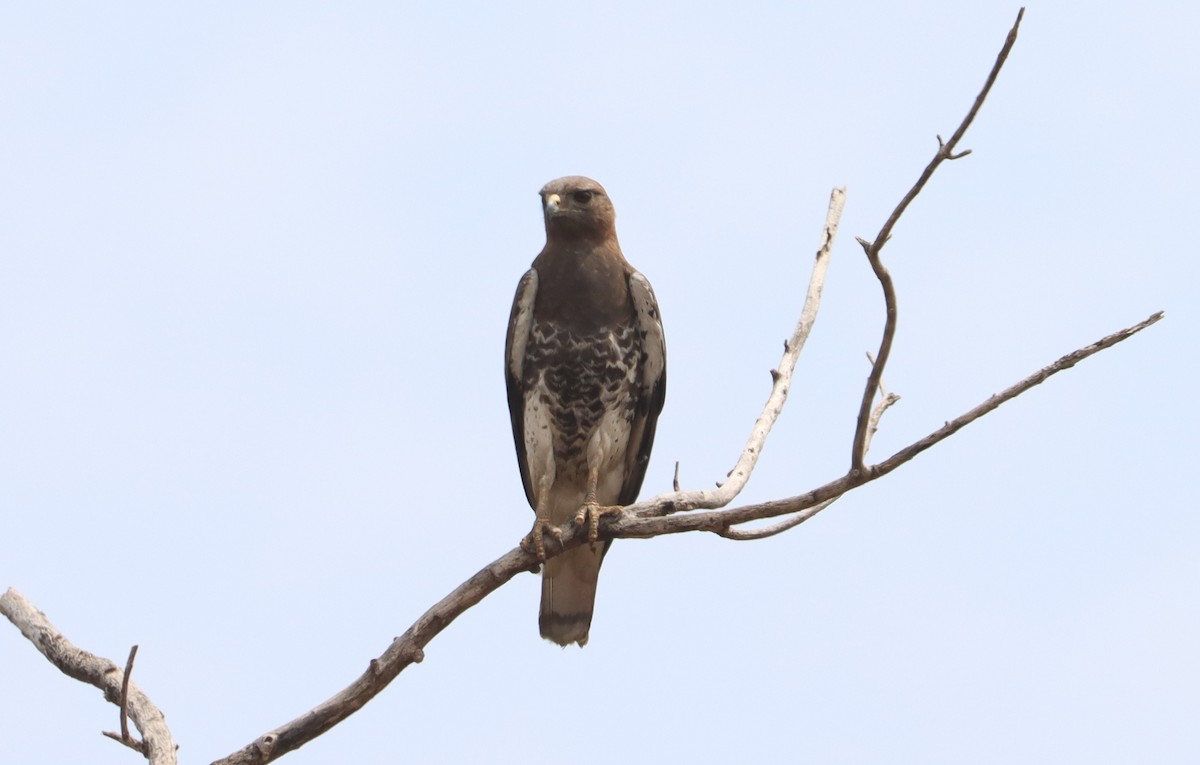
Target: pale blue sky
[(255, 269)]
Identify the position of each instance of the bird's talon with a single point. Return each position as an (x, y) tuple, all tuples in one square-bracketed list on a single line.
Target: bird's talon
[(528, 545), (535, 542), (592, 512)]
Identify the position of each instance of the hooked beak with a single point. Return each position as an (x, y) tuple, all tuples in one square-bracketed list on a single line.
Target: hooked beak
[(552, 203)]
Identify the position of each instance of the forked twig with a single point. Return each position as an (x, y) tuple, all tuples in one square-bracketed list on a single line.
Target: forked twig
[(945, 151), (747, 535)]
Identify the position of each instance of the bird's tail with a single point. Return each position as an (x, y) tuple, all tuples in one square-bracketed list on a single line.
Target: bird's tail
[(569, 594)]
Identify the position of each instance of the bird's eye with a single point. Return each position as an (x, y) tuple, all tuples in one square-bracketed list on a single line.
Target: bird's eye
[(583, 197)]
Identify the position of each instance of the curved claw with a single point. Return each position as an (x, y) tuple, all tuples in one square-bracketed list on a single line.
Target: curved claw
[(592, 512), (535, 542)]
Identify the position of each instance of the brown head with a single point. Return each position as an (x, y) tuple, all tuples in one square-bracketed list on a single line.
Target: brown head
[(577, 208)]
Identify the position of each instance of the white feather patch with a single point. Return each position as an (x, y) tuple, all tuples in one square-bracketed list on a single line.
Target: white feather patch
[(522, 322), (650, 324)]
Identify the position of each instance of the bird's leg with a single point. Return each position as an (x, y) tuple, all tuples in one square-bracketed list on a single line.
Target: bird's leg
[(591, 509), (534, 542)]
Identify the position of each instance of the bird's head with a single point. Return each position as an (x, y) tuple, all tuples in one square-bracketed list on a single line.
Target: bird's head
[(577, 207)]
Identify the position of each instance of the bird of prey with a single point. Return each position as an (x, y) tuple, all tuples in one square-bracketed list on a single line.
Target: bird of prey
[(585, 364)]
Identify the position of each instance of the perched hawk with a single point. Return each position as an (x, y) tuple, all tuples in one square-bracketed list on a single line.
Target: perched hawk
[(586, 370)]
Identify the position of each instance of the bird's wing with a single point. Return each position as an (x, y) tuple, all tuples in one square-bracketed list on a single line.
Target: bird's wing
[(520, 324), (651, 390)]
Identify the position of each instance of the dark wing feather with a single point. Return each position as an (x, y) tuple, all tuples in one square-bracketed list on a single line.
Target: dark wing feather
[(652, 388), (520, 323)]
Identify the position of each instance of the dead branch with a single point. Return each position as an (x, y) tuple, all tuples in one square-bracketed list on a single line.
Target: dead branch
[(157, 744), (781, 376), (660, 515), (945, 151), (746, 535), (124, 737)]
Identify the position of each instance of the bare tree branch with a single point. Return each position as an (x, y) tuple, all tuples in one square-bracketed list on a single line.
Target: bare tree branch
[(945, 151), (781, 377), (157, 744), (746, 535), (403, 651), (657, 516)]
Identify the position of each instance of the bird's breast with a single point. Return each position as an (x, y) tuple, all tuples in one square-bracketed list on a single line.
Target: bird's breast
[(578, 378)]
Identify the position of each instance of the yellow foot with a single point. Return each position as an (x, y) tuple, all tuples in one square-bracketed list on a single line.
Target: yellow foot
[(591, 511), (535, 543)]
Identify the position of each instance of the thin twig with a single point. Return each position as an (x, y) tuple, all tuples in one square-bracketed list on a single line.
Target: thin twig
[(884, 404), (130, 742), (746, 535), (947, 148), (945, 151), (125, 693)]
